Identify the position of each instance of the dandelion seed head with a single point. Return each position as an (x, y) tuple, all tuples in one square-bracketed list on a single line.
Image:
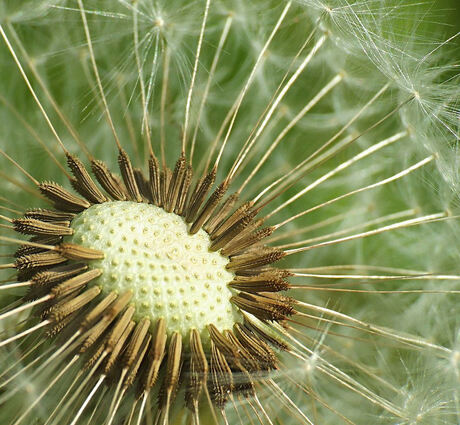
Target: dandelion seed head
[(171, 273), (333, 347)]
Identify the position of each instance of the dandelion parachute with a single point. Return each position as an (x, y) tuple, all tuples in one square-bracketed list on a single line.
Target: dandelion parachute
[(264, 168)]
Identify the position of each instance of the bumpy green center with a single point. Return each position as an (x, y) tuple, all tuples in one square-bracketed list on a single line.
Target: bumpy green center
[(171, 273)]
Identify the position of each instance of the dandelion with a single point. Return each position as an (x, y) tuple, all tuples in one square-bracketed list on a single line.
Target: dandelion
[(248, 217)]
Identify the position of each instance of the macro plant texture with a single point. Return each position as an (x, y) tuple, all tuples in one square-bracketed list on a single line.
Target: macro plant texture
[(229, 212)]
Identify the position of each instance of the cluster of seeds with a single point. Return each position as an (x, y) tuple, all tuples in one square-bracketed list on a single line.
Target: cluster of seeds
[(156, 282), (149, 252)]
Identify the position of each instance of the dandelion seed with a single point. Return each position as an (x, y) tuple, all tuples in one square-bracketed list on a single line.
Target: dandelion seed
[(198, 281)]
